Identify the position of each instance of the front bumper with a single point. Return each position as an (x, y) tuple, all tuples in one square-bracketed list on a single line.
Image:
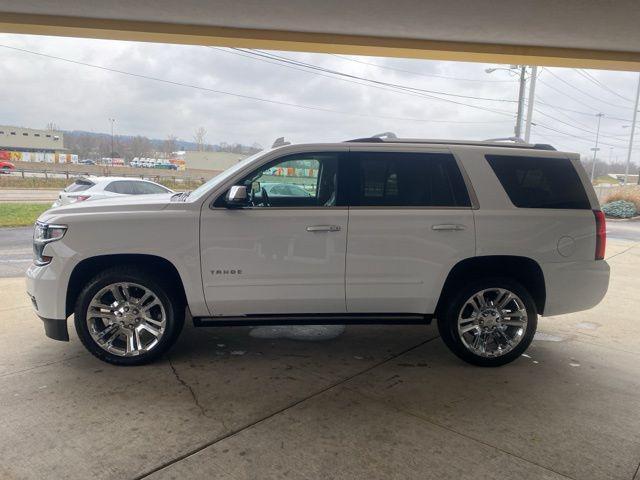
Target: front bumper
[(55, 329), (47, 292)]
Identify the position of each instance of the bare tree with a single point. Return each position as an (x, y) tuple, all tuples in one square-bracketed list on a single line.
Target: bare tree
[(170, 144), (140, 147), (52, 126), (199, 138)]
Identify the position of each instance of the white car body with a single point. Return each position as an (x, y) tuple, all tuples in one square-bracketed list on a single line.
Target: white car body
[(104, 187), (244, 262)]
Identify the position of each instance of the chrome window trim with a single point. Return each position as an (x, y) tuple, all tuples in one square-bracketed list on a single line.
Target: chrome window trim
[(399, 207), (270, 157), (385, 148), (282, 208)]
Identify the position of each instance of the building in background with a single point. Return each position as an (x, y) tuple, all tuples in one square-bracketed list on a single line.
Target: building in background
[(19, 144), (30, 140)]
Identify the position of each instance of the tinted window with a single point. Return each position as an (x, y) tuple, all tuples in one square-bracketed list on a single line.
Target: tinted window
[(300, 180), (79, 186), (538, 182), (406, 180), (149, 188), (122, 186)]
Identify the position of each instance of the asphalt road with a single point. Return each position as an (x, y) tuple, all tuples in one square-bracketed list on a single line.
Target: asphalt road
[(30, 195), (15, 245), (15, 251)]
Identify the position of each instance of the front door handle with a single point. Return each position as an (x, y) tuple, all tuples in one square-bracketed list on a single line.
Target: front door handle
[(324, 228), (448, 226)]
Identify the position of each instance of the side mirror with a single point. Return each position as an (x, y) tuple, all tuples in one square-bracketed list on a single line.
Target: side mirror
[(237, 196)]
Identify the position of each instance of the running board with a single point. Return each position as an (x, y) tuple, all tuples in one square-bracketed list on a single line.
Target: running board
[(314, 319)]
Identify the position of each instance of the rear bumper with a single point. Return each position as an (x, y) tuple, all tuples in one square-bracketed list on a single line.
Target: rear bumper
[(574, 286)]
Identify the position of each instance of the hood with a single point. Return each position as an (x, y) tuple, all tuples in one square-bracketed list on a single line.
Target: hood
[(130, 203)]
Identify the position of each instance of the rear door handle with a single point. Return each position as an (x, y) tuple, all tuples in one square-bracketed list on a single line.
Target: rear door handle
[(448, 226), (324, 228)]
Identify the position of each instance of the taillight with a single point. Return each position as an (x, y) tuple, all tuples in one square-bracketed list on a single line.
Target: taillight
[(80, 198), (601, 234)]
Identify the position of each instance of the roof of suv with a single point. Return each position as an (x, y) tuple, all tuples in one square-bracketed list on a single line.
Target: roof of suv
[(515, 143)]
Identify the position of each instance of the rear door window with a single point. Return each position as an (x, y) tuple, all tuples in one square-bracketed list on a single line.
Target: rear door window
[(124, 187), (404, 179), (540, 182)]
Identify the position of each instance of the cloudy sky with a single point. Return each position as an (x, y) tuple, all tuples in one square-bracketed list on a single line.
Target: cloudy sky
[(256, 96)]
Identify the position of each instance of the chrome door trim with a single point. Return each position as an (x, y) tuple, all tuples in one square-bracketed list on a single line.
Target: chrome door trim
[(324, 228)]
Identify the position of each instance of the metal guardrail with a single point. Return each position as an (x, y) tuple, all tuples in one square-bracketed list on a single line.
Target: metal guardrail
[(57, 173)]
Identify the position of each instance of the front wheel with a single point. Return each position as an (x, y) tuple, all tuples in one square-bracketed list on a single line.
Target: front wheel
[(489, 322), (125, 316)]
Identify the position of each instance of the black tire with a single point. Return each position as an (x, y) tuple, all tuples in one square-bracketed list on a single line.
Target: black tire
[(171, 302), (448, 321)]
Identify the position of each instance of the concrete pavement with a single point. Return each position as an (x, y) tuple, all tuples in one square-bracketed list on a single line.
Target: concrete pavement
[(376, 402)]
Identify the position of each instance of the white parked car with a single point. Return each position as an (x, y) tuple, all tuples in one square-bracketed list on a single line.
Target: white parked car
[(99, 188), (481, 236)]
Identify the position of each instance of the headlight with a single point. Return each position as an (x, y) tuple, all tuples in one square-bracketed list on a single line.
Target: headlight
[(43, 234)]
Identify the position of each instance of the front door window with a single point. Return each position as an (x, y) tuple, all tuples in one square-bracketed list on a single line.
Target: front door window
[(301, 180)]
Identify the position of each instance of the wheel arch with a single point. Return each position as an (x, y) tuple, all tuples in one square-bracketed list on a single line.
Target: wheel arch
[(524, 270), (89, 267)]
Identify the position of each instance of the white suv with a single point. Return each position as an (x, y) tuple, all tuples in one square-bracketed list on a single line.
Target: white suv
[(482, 236)]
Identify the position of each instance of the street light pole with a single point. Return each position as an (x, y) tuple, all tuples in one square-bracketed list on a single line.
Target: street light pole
[(112, 120), (532, 97), (595, 149), (523, 82), (633, 131)]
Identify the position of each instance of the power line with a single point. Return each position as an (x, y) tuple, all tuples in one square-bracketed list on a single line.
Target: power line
[(573, 126), (579, 112), (385, 67), (597, 82), (578, 137), (222, 92), (568, 96), (287, 60), (405, 90), (586, 93)]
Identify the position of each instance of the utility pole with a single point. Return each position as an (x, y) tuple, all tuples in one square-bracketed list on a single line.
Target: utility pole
[(532, 96), (112, 120), (595, 149), (523, 81), (633, 131)]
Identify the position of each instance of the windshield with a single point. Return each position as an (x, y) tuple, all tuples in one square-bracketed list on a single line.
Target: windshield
[(222, 176)]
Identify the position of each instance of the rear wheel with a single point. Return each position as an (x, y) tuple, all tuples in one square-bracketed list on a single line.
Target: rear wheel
[(490, 322), (125, 316)]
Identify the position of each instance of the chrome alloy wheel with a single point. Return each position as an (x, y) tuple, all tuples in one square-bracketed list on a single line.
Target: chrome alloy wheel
[(126, 319), (492, 322)]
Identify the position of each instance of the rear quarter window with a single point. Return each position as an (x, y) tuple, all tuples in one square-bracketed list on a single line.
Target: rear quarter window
[(540, 182), (79, 186)]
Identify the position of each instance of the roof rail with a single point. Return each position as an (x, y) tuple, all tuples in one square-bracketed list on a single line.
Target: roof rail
[(494, 142)]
